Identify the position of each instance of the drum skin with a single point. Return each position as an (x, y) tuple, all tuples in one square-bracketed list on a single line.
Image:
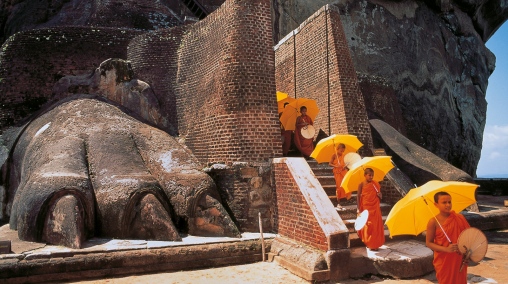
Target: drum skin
[(308, 131)]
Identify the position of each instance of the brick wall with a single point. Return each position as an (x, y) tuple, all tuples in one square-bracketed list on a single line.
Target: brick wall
[(154, 58), (31, 62), (316, 56), (390, 194), (225, 86), (297, 218), (217, 82)]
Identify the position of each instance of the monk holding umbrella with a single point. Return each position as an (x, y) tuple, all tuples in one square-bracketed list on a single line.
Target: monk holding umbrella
[(299, 116), (364, 176), (429, 207)]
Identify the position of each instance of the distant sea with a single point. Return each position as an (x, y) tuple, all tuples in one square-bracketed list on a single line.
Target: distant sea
[(494, 176)]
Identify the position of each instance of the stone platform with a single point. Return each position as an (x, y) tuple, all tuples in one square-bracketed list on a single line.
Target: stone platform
[(35, 262)]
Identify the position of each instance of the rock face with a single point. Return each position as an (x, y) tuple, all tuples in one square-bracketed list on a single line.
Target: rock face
[(417, 163), (423, 66), (24, 15)]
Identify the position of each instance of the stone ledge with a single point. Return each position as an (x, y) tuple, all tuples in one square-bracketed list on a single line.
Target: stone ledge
[(305, 262), (106, 258), (318, 276), (400, 259)]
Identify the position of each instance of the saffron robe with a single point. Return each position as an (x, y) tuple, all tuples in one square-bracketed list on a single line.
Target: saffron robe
[(447, 264), (286, 141), (304, 145), (373, 233), (338, 174), (286, 136)]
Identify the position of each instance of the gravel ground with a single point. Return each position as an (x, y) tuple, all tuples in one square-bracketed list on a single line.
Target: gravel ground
[(492, 269)]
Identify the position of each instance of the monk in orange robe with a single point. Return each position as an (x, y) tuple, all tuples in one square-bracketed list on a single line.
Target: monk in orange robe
[(339, 171), (369, 198), (286, 141), (447, 256), (305, 145)]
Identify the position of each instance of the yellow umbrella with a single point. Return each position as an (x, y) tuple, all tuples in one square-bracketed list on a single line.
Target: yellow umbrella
[(325, 148), (281, 96), (381, 165), (410, 215), (280, 104), (292, 111)]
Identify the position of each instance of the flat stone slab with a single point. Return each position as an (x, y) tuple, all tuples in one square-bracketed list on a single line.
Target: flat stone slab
[(35, 262), (397, 259)]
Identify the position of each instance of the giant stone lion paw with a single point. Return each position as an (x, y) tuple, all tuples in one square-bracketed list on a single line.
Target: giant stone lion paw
[(86, 169)]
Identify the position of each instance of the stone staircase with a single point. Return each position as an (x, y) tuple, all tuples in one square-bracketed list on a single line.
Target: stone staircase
[(324, 174)]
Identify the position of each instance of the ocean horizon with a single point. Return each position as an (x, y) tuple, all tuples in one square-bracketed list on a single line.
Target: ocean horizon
[(493, 176)]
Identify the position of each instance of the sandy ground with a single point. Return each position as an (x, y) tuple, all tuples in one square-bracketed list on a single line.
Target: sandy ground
[(492, 269)]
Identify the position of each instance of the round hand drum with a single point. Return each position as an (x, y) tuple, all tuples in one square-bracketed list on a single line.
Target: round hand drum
[(474, 243), (362, 219), (308, 131)]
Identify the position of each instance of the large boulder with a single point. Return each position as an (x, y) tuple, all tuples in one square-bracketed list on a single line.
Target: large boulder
[(22, 15), (418, 164), (85, 168)]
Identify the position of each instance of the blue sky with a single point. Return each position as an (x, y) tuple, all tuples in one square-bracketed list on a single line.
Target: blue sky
[(494, 157)]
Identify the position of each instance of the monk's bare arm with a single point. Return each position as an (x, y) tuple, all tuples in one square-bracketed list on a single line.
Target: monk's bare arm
[(331, 164), (358, 196), (429, 239)]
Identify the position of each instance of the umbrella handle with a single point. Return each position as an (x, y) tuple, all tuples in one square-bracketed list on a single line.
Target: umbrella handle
[(446, 235), (465, 258)]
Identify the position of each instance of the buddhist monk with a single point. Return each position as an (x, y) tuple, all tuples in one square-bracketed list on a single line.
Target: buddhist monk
[(286, 136), (369, 198), (339, 171), (305, 145), (442, 239)]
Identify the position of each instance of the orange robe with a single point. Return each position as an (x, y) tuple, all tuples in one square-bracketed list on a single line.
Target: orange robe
[(338, 174), (286, 138), (447, 264), (306, 146), (373, 233), (286, 144)]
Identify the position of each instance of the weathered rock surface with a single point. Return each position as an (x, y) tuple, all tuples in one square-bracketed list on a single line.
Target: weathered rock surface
[(423, 66), (114, 80), (85, 168), (418, 164), (24, 15)]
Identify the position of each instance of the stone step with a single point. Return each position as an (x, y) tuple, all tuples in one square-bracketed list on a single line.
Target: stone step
[(330, 189), (400, 258), (326, 179), (355, 241), (343, 202), (379, 152), (322, 171), (350, 224), (350, 212)]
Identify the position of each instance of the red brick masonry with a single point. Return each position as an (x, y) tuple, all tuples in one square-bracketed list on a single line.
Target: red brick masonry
[(305, 213)]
